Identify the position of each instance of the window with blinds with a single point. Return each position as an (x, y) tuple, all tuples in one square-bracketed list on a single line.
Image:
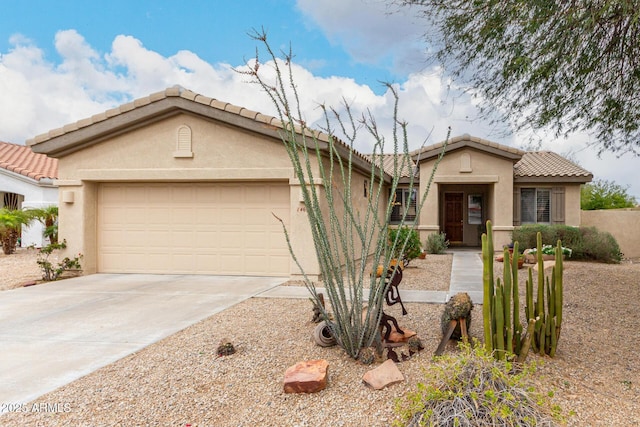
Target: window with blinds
[(535, 205), (405, 200)]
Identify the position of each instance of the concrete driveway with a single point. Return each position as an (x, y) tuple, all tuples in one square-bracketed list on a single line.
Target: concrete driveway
[(54, 333)]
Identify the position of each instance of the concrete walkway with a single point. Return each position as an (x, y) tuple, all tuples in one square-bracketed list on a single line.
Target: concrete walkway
[(466, 276)]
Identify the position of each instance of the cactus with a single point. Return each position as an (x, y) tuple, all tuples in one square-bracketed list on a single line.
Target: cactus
[(548, 316), (503, 331), (487, 286)]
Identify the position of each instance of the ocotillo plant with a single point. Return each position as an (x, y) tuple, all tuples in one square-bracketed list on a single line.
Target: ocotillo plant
[(503, 331), (345, 235)]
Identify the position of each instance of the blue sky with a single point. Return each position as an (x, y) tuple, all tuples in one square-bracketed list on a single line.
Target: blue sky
[(61, 61)]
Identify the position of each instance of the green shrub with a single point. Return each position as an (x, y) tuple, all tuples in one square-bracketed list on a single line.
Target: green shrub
[(436, 243), (54, 272), (597, 246), (409, 250), (586, 243), (472, 388), (526, 235)]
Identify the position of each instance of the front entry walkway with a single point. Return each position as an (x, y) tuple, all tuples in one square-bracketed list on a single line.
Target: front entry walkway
[(466, 276)]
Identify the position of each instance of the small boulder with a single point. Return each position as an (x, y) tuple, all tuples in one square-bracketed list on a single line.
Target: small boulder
[(397, 337), (384, 375), (306, 377)]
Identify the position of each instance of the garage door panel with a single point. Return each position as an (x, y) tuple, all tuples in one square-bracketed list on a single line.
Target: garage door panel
[(193, 228)]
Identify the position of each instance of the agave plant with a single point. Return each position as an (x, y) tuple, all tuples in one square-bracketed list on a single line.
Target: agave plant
[(11, 221)]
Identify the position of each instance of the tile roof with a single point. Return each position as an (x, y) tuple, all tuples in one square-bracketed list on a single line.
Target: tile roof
[(467, 140), (388, 164), (547, 164), (175, 92), (20, 159)]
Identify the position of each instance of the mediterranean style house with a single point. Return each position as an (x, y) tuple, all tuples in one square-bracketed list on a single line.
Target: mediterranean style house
[(180, 183), (27, 181)]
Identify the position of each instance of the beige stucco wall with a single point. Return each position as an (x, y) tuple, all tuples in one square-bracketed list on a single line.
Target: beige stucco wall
[(463, 167), (572, 204), (623, 224), (220, 153)]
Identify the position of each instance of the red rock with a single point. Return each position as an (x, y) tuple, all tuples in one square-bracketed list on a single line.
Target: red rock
[(397, 337), (306, 377), (383, 376)]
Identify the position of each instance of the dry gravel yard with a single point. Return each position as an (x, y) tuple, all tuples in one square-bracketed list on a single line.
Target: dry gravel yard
[(180, 381)]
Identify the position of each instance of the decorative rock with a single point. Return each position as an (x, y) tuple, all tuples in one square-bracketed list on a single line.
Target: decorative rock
[(397, 337), (225, 348), (306, 377), (29, 283), (383, 376), (546, 265)]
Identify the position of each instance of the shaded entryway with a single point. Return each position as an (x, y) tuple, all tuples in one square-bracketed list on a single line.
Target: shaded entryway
[(464, 209)]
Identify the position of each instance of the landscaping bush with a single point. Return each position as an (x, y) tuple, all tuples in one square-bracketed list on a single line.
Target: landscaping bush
[(54, 272), (526, 235), (412, 249), (597, 246), (586, 243), (472, 388), (436, 243)]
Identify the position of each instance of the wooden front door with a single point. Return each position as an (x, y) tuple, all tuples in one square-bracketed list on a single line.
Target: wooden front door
[(453, 220)]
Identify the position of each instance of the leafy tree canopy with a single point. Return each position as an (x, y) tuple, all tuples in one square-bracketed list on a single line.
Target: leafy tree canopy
[(603, 194), (567, 65)]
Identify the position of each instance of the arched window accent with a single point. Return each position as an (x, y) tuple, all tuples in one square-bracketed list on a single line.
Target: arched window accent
[(183, 142), (465, 162)]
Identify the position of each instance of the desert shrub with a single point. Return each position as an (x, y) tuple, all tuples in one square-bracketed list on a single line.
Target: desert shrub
[(52, 271), (405, 243), (472, 388), (436, 243), (597, 245), (570, 236), (586, 243), (526, 235)]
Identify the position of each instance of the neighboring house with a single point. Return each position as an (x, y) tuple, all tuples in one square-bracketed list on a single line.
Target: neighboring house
[(26, 181), (177, 182)]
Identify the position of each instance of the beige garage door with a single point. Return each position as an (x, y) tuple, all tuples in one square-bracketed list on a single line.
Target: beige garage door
[(193, 228)]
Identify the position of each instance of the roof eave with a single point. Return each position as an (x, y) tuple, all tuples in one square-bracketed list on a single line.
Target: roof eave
[(581, 179), (62, 142), (435, 151), (41, 182)]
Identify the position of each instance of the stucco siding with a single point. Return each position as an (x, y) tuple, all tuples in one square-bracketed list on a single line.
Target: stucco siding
[(466, 168), (621, 223)]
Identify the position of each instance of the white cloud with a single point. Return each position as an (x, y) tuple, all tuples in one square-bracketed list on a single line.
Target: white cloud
[(39, 95), (370, 31)]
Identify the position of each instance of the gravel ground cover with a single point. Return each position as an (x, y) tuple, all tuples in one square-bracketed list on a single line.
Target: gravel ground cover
[(180, 381)]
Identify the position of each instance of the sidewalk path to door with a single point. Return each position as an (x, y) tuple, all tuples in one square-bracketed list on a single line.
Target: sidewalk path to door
[(466, 276)]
